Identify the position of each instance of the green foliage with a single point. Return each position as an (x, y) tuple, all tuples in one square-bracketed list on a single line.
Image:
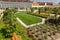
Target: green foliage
[(41, 15), (39, 9), (7, 32), (58, 20), (55, 11), (9, 25), (32, 9), (20, 30)]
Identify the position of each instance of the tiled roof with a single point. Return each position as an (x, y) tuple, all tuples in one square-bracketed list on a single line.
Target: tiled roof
[(43, 3), (35, 4)]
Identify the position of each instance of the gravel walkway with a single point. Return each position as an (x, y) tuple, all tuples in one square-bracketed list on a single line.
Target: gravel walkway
[(1, 13), (27, 26), (22, 23)]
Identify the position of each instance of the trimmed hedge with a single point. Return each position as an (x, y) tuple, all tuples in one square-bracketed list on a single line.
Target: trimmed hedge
[(41, 15)]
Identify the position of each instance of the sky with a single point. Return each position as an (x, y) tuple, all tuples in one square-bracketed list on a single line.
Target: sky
[(47, 1)]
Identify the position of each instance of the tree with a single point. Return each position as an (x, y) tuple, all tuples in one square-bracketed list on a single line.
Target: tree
[(8, 20), (55, 11), (47, 10), (32, 10), (58, 20), (39, 10)]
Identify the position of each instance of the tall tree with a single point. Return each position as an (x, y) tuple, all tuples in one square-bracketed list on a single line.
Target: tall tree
[(9, 25), (55, 11), (39, 10), (32, 9)]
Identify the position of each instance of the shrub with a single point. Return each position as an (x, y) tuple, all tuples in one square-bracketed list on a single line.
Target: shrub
[(9, 25), (41, 15)]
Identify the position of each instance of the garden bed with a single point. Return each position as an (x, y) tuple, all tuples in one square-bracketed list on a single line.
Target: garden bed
[(43, 15)]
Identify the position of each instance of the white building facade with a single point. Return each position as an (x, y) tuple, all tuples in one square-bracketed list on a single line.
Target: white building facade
[(4, 4)]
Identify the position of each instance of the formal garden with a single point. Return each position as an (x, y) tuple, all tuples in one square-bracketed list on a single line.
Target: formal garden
[(10, 26), (45, 12)]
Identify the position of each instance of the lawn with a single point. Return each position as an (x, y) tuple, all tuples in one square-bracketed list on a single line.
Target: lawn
[(1, 26), (28, 19)]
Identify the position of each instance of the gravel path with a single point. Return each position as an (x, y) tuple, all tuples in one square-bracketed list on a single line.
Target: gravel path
[(1, 13), (27, 26), (22, 23)]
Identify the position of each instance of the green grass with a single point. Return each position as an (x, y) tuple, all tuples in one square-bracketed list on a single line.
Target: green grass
[(22, 31), (28, 19), (1, 24)]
